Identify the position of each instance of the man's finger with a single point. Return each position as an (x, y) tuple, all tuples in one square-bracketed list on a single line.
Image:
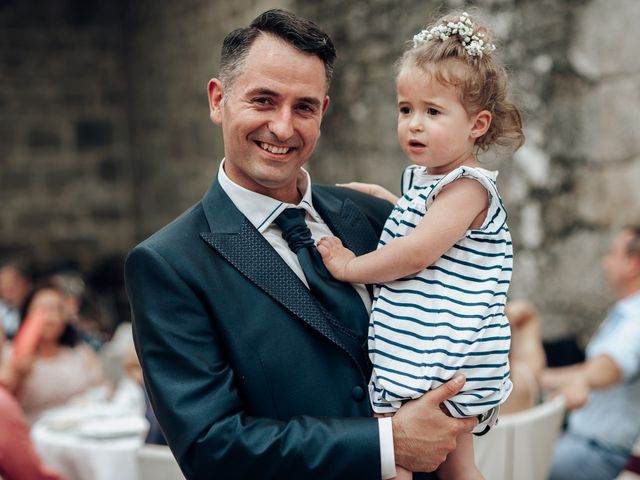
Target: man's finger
[(447, 390)]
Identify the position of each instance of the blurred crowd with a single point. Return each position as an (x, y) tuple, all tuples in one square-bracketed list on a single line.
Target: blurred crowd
[(58, 348)]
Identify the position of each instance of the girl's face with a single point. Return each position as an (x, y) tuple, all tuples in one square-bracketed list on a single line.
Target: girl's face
[(434, 128), (50, 304)]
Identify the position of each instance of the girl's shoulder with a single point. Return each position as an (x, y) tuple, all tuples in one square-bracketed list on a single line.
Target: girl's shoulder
[(487, 178)]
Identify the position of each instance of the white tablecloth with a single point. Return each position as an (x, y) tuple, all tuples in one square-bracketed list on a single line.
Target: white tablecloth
[(77, 453)]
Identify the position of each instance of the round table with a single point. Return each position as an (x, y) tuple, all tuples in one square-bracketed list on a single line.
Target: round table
[(77, 452)]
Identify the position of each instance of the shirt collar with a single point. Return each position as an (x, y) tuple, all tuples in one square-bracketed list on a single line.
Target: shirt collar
[(262, 210)]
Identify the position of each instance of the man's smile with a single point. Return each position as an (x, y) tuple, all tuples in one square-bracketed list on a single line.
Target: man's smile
[(273, 148)]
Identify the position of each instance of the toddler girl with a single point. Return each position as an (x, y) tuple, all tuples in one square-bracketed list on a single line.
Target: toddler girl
[(443, 264)]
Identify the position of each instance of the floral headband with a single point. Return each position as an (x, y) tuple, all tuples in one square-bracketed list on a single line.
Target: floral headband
[(472, 42)]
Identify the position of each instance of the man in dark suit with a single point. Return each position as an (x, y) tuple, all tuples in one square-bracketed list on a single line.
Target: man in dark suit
[(250, 375)]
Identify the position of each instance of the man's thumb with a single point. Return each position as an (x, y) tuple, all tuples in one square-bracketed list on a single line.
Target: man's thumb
[(449, 389)]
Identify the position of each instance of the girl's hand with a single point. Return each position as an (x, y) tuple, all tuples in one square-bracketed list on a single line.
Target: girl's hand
[(371, 189), (335, 257)]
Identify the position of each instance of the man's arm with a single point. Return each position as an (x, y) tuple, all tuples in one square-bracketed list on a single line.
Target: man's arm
[(576, 381), (195, 394), (423, 435)]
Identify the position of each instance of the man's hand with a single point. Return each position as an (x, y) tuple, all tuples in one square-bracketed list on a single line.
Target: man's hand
[(575, 393), (423, 435), (371, 189)]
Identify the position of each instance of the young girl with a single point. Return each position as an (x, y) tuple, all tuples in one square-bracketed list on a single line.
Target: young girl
[(444, 260)]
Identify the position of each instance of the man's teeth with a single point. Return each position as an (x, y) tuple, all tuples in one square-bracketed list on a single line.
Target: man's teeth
[(273, 148)]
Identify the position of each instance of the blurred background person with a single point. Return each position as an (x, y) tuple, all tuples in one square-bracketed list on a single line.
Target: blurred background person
[(604, 390), (15, 285), (527, 357), (18, 458), (81, 307), (59, 367)]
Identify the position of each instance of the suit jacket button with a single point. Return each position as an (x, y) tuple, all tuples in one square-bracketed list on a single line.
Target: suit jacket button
[(357, 393)]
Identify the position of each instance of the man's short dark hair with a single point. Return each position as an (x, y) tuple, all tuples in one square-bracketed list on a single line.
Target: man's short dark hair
[(298, 32)]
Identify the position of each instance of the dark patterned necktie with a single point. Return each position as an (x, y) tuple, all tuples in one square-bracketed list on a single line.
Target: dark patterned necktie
[(339, 298)]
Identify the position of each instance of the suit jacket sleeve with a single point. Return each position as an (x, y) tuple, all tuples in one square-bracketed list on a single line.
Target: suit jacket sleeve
[(194, 392)]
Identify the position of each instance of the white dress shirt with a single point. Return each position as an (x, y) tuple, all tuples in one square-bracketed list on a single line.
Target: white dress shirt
[(261, 211)]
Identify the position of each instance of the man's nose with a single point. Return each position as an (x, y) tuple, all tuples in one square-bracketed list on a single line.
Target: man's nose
[(281, 125)]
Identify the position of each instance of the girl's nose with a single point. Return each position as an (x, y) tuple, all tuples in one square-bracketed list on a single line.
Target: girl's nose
[(415, 125)]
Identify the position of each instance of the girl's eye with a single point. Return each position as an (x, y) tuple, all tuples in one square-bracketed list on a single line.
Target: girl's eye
[(405, 110), (433, 111)]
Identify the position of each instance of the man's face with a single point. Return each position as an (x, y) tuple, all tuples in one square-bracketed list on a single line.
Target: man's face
[(270, 116), (13, 286), (617, 263)]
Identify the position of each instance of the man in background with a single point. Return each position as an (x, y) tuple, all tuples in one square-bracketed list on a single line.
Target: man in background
[(604, 390)]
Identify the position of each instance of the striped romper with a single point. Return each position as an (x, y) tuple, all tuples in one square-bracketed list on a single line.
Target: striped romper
[(449, 317)]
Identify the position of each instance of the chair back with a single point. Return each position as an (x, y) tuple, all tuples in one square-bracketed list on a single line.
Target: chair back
[(521, 446), (156, 462)]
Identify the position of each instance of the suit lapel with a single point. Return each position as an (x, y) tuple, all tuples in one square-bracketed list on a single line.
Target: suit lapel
[(347, 222), (238, 241)]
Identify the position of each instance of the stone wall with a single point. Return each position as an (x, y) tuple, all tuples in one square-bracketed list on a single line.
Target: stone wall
[(105, 134), (65, 174)]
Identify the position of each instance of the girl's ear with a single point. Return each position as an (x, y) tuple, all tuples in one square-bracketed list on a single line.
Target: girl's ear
[(481, 124)]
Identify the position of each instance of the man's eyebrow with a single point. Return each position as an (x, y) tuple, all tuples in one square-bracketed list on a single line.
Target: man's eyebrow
[(264, 91), (311, 101)]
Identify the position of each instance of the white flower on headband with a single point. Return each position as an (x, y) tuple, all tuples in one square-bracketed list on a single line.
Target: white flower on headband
[(473, 42)]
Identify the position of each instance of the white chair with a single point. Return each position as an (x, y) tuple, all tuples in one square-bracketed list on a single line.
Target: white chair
[(156, 462), (521, 446)]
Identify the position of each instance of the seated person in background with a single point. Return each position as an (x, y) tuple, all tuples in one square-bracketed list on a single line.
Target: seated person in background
[(82, 309), (526, 356), (47, 365), (604, 390), (18, 459), (15, 285)]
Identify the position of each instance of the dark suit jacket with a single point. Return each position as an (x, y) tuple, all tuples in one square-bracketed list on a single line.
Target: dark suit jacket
[(248, 376)]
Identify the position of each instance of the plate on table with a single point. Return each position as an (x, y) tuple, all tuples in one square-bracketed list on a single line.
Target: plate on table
[(114, 427), (68, 418)]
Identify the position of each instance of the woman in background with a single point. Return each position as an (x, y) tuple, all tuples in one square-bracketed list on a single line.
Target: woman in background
[(55, 366)]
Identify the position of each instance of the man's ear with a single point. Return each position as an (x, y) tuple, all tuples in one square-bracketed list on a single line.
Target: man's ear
[(215, 92), (325, 105), (481, 124)]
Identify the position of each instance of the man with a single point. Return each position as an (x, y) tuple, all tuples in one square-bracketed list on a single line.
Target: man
[(604, 390), (15, 285), (249, 374)]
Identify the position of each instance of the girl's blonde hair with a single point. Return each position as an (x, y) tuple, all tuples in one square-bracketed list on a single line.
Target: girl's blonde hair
[(481, 81)]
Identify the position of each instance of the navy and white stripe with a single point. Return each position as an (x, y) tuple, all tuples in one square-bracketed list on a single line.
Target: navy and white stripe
[(450, 317)]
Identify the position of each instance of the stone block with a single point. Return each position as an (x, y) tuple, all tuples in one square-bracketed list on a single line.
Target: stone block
[(92, 134), (40, 139), (608, 118), (603, 43), (109, 169), (608, 196)]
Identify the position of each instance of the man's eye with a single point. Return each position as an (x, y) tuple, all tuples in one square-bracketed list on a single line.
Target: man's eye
[(306, 108), (262, 100)]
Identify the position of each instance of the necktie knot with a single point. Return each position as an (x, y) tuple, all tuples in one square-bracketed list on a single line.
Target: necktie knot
[(339, 298), (294, 229)]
